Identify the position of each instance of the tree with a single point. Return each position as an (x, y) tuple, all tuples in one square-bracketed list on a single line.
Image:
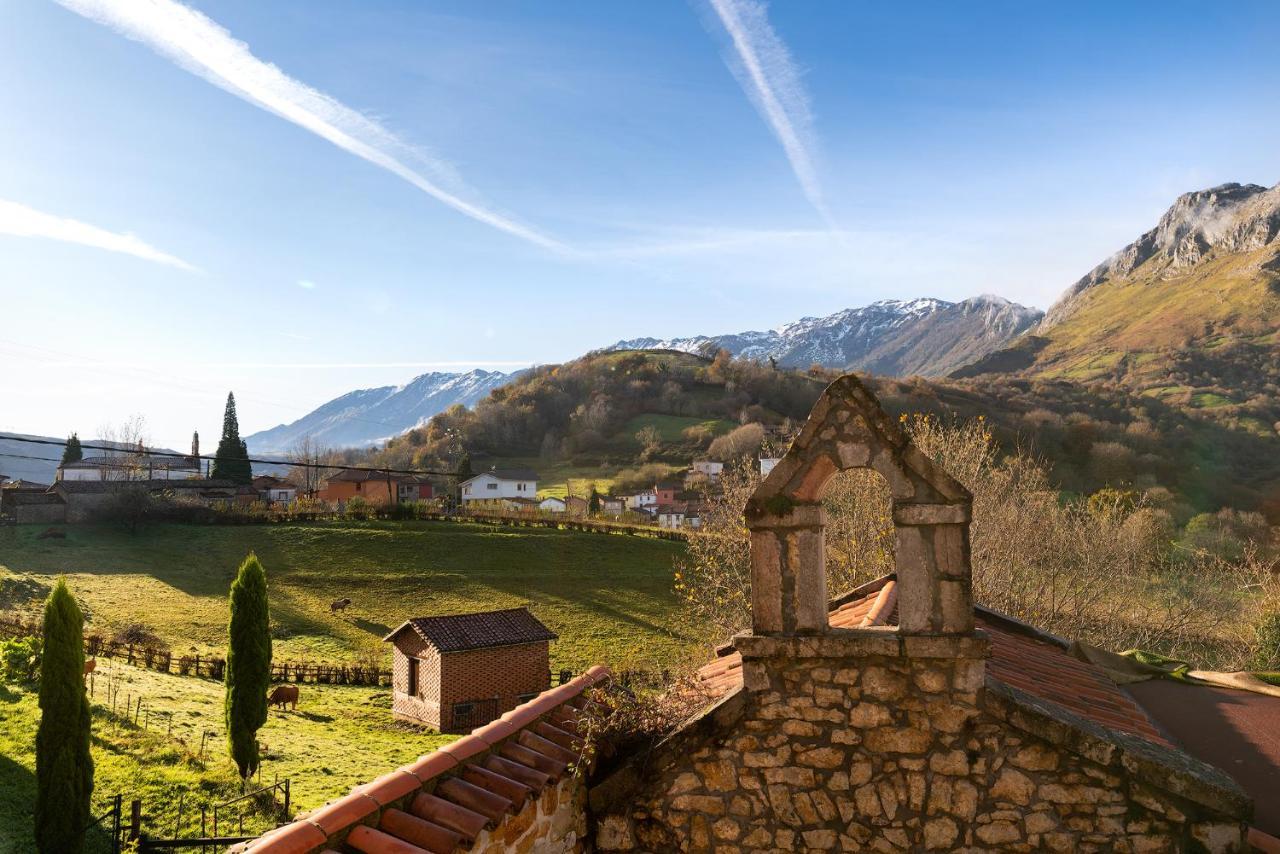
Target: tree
[(593, 503), (72, 452), (308, 457), (248, 672), (64, 765), (231, 460)]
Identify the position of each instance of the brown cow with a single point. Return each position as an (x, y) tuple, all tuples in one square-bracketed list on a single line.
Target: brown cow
[(283, 695), (90, 666), (339, 605)]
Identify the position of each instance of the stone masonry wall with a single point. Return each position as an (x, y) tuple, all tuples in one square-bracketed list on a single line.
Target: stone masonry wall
[(891, 752), (553, 823)]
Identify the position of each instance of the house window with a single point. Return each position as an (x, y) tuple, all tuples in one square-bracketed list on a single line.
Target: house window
[(519, 487), (491, 486), (413, 677)]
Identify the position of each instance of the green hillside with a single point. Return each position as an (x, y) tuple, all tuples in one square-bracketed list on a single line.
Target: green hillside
[(608, 597)]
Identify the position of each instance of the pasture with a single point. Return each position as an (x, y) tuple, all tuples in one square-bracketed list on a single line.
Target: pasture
[(338, 737), (609, 597)]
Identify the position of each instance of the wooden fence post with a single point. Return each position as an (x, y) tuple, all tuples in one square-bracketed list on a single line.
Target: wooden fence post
[(135, 819)]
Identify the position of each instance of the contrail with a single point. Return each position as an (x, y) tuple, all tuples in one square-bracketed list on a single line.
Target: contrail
[(22, 221), (207, 50), (772, 81)]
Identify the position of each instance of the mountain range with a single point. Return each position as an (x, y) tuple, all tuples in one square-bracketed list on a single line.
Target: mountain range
[(371, 415), (1189, 313), (926, 337)]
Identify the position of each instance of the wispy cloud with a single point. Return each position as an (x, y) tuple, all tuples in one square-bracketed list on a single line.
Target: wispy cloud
[(306, 284), (769, 76), (22, 221), (207, 50)]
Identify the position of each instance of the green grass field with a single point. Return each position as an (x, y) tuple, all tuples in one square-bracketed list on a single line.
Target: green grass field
[(608, 596), (671, 427), (337, 738)]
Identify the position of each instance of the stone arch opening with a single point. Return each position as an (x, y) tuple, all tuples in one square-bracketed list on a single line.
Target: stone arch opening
[(848, 429), (859, 532)]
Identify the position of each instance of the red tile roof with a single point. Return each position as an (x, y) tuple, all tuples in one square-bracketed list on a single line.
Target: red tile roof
[(459, 632), (443, 801), (1235, 730), (1020, 656)]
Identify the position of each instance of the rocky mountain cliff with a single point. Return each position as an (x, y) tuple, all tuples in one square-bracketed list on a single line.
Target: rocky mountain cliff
[(1189, 314), (929, 337), (372, 415), (1200, 226)]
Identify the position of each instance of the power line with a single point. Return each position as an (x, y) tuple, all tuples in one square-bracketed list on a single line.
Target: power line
[(178, 455)]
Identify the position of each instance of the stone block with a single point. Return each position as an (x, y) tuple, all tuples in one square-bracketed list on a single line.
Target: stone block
[(766, 582)]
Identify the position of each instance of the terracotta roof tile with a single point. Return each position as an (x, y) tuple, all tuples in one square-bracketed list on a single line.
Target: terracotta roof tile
[(444, 800), (458, 632), (369, 841), (420, 832)]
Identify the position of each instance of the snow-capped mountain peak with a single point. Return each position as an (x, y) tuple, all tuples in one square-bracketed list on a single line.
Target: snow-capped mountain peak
[(925, 336)]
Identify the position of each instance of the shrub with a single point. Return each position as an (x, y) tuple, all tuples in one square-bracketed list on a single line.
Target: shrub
[(359, 508), (138, 634), (19, 659)]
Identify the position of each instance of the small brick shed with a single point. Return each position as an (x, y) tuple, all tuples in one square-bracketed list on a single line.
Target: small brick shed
[(454, 673)]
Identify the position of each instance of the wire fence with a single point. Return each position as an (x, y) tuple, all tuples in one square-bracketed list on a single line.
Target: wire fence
[(207, 666)]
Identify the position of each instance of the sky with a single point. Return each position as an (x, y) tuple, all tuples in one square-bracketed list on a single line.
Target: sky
[(298, 198)]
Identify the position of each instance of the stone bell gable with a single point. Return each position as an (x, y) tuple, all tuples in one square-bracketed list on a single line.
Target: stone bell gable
[(849, 430), (885, 737)]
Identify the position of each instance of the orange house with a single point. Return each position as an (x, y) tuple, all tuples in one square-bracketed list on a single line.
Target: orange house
[(375, 487)]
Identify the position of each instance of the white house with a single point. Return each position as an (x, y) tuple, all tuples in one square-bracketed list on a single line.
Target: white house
[(273, 490), (767, 464), (551, 505), (499, 483), (670, 518), (612, 506), (710, 468), (643, 500), (141, 467)]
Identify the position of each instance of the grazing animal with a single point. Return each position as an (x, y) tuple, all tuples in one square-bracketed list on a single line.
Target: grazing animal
[(90, 666), (282, 695), (339, 605)]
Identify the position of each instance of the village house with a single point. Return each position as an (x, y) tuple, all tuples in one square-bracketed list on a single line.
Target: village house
[(273, 490), (458, 672), (711, 468), (670, 517), (135, 464), (130, 467), (643, 501), (500, 483), (375, 487), (666, 492), (551, 504), (767, 464), (613, 506), (895, 718)]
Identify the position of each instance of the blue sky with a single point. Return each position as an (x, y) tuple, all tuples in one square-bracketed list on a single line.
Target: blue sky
[(594, 171)]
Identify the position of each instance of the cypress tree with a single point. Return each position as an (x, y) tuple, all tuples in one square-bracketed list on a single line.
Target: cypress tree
[(248, 672), (231, 460), (64, 765), (72, 452)]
